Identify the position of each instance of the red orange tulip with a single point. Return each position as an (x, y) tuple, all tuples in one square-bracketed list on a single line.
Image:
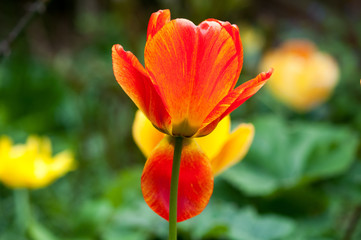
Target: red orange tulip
[(185, 90)]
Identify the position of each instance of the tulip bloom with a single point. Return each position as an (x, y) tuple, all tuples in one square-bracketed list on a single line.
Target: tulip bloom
[(31, 165), (305, 77), (185, 90)]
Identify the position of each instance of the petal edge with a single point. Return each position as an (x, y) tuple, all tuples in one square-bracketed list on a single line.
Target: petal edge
[(234, 149), (133, 79), (232, 101), (157, 21)]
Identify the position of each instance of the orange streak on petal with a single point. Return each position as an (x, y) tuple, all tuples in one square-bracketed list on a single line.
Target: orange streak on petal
[(234, 149), (195, 179), (135, 82), (157, 21), (233, 31), (216, 69), (169, 59), (232, 101)]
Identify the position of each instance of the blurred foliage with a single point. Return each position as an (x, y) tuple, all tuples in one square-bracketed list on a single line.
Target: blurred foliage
[(284, 156), (300, 180)]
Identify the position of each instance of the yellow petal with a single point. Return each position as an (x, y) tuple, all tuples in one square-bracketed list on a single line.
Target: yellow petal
[(145, 135), (39, 177), (45, 146), (30, 165), (39, 145), (63, 162), (213, 142), (234, 149), (5, 147), (18, 168), (5, 143), (48, 170)]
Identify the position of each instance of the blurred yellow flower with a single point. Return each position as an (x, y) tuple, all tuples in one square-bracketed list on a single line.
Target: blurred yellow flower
[(224, 149), (31, 165), (304, 77)]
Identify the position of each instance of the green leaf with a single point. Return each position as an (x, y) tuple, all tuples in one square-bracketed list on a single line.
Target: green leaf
[(251, 179), (248, 225), (39, 232), (225, 221), (333, 151), (284, 155)]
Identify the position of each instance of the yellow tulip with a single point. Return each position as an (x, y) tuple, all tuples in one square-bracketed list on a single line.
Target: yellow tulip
[(304, 77), (31, 165), (224, 149)]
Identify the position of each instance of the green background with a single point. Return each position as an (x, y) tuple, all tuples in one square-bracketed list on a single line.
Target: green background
[(300, 180)]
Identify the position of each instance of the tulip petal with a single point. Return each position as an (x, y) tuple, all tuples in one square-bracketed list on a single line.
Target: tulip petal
[(195, 179), (233, 30), (133, 79), (157, 21), (169, 59), (62, 163), (234, 149), (232, 101), (145, 135), (213, 142), (31, 165), (198, 64), (15, 172), (5, 146)]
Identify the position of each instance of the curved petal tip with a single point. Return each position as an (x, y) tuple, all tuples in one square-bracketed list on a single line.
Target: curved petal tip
[(234, 149), (269, 73), (157, 21)]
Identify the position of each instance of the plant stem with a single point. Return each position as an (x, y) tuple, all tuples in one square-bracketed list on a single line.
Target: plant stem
[(174, 188), (22, 210)]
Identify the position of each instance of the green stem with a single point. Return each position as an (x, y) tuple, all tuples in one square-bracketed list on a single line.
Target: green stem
[(22, 210), (174, 188)]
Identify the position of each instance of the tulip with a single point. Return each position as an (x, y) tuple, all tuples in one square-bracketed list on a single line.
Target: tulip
[(31, 165), (305, 77), (186, 88), (187, 85)]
